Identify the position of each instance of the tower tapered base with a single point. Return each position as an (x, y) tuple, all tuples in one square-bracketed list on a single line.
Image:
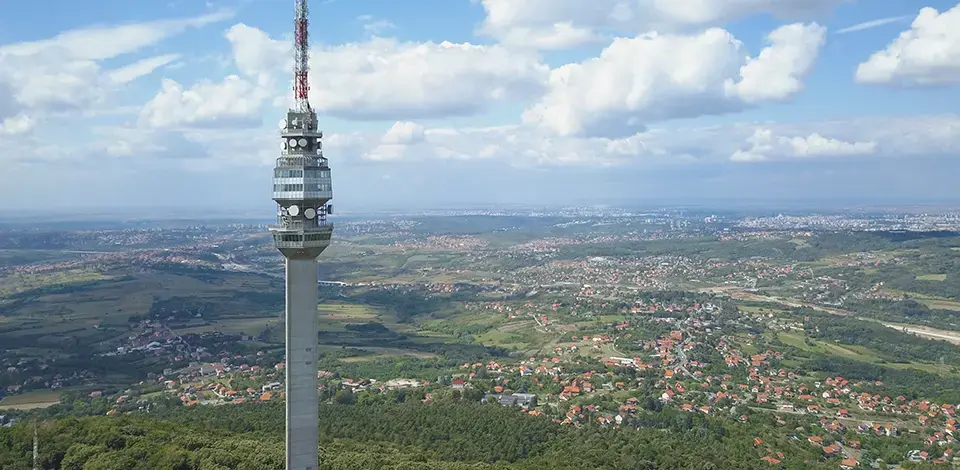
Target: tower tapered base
[(301, 370)]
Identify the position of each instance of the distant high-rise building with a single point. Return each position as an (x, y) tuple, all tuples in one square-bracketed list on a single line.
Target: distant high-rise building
[(302, 190)]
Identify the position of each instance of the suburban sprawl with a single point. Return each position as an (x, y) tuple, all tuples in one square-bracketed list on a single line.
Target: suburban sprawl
[(587, 338)]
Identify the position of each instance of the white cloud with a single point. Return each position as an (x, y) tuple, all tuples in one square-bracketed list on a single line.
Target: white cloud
[(404, 133), (64, 74), (520, 146), (765, 146), (873, 24), (20, 124), (258, 55), (161, 144), (140, 68), (373, 25), (926, 54), (385, 78), (233, 102), (557, 36), (99, 43), (512, 21), (778, 71), (238, 100), (655, 77), (397, 140)]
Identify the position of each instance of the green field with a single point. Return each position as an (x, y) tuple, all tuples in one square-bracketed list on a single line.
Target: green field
[(72, 321), (754, 309), (348, 312), (857, 353), (932, 277), (242, 326), (16, 283), (379, 353), (31, 400), (830, 349)]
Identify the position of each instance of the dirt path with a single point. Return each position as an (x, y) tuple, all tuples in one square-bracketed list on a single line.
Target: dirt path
[(933, 333), (927, 332)]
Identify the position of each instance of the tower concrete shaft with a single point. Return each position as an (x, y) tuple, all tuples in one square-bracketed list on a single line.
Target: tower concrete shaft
[(301, 368), (302, 189)]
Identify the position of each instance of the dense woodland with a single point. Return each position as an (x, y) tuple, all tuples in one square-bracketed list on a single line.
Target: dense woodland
[(387, 435)]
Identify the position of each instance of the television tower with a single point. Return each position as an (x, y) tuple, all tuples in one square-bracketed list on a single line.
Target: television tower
[(302, 190)]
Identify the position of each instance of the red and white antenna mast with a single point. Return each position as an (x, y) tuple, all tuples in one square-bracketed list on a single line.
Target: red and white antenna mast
[(301, 66)]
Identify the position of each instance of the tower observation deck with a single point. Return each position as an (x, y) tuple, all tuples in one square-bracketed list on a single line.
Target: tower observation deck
[(302, 189)]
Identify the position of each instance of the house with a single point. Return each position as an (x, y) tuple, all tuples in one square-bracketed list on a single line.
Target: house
[(770, 460), (847, 464), (459, 384), (523, 400), (526, 400)]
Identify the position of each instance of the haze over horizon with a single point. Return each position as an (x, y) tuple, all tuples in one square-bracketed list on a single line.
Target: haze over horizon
[(121, 105)]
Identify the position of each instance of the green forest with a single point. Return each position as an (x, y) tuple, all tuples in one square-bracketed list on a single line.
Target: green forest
[(387, 434)]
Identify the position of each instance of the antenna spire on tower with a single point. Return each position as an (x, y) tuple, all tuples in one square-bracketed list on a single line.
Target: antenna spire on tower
[(301, 63)]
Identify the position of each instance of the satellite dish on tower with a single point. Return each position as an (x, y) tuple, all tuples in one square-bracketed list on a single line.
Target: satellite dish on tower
[(293, 210), (283, 123), (303, 142), (309, 212), (293, 142), (283, 145)]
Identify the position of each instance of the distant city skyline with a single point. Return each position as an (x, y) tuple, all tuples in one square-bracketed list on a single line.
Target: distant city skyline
[(120, 105)]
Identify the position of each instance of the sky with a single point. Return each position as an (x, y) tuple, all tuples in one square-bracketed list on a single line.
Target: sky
[(431, 103)]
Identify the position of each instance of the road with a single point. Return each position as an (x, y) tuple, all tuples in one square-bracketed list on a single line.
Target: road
[(682, 355), (927, 332)]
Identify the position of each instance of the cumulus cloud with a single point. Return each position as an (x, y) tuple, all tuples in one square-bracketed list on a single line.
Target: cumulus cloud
[(383, 78), (237, 100), (926, 54), (405, 133), (65, 73), (20, 124), (563, 35), (655, 77), (520, 146), (764, 145), (258, 55), (396, 140), (535, 22), (386, 78), (376, 79), (232, 102), (163, 144), (780, 68)]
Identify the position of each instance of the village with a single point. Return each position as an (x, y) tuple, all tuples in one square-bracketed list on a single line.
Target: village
[(695, 367)]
